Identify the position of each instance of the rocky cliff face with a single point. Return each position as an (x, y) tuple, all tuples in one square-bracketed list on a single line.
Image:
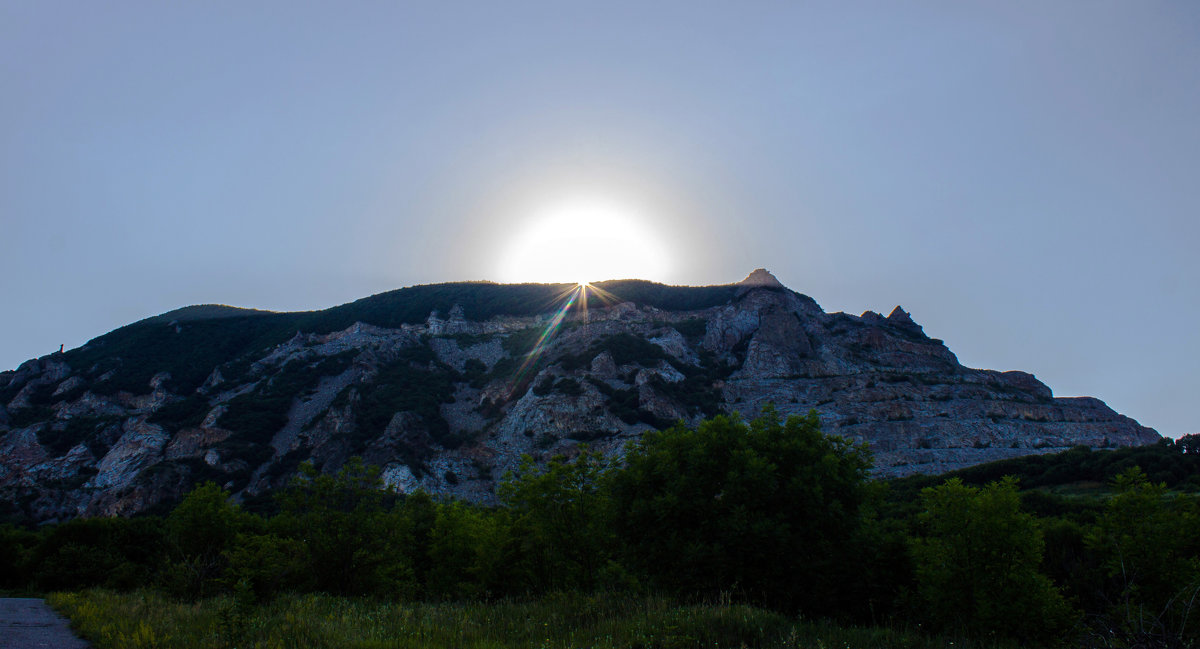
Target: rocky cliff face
[(129, 422)]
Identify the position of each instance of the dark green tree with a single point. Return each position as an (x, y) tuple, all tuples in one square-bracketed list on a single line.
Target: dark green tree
[(1189, 444), (16, 549), (563, 518), (419, 515), (764, 510), (471, 553), (977, 566), (118, 553), (1148, 543), (200, 530), (353, 541), (269, 564)]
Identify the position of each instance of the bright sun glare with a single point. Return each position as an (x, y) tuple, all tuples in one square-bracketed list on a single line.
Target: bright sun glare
[(584, 241)]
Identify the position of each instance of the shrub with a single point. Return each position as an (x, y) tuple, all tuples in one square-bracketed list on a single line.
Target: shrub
[(977, 565), (765, 509)]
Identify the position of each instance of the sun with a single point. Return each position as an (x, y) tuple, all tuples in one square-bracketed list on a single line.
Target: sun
[(583, 241)]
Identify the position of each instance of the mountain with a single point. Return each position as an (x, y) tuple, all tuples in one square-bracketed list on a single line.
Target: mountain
[(446, 386)]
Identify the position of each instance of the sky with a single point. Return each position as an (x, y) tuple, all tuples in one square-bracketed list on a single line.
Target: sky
[(1023, 177)]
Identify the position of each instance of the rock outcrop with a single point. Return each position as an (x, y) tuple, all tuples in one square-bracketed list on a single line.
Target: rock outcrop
[(449, 403)]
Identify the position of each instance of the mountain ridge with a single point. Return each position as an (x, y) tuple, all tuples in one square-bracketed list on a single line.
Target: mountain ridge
[(445, 386)]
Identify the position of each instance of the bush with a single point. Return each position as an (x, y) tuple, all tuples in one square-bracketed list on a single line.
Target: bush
[(765, 510), (977, 566), (270, 564), (113, 553), (201, 530), (353, 546), (16, 547), (563, 518), (1148, 544)]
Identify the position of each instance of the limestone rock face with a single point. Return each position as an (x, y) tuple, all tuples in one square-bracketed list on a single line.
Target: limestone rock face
[(779, 348), (448, 402), (140, 445)]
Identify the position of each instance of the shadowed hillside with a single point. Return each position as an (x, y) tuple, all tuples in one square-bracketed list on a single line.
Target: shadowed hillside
[(445, 386)]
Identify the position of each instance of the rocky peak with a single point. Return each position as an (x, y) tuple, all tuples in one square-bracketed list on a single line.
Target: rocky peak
[(902, 318), (899, 316), (760, 278)]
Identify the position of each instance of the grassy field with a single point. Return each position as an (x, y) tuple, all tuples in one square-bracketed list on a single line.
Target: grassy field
[(147, 620)]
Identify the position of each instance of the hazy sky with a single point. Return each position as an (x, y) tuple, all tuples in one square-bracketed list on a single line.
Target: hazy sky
[(1024, 177)]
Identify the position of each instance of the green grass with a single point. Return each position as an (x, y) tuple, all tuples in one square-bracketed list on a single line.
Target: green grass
[(144, 620)]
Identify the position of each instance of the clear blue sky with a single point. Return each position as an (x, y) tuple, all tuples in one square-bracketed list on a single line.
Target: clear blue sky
[(1024, 177)]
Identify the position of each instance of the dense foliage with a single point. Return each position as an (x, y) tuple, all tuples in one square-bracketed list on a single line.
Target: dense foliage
[(670, 298), (1147, 544), (766, 510), (126, 359), (770, 512), (977, 564)]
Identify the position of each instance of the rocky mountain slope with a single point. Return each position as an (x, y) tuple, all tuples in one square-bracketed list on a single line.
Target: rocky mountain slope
[(446, 386)]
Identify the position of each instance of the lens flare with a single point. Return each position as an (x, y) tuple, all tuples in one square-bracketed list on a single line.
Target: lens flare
[(543, 341), (575, 298)]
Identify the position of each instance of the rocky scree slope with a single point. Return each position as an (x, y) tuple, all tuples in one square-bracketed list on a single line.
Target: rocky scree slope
[(447, 386)]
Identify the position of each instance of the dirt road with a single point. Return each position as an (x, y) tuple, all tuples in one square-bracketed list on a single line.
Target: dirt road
[(27, 623)]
